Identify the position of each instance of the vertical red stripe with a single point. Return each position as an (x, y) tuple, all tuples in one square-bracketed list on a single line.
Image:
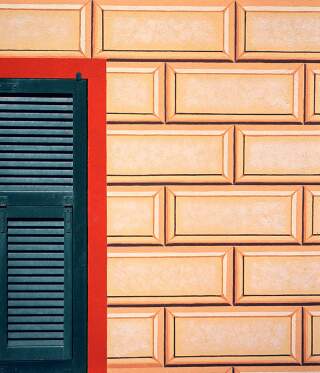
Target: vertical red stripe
[(95, 72)]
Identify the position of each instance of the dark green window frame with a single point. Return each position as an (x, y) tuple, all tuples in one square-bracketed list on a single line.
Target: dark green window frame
[(52, 204)]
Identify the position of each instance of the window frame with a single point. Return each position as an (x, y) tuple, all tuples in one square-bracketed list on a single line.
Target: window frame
[(94, 71)]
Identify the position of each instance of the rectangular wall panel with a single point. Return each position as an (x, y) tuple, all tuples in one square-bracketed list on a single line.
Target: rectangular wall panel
[(312, 334), (135, 92), (278, 369), (208, 92), (278, 30), (174, 370), (312, 214), (278, 154), (169, 276), (277, 274), (46, 28), (238, 335), (312, 93), (135, 215), (135, 337), (149, 29), (153, 154), (212, 214)]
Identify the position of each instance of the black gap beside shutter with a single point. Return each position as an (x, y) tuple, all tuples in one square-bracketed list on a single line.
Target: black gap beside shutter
[(43, 228)]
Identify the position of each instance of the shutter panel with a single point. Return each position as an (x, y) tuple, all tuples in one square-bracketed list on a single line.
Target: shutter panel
[(36, 141), (38, 260), (43, 225)]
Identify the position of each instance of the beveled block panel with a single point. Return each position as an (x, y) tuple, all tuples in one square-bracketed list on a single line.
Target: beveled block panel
[(135, 215), (184, 275), (186, 153), (45, 29), (312, 334), (237, 335), (233, 214), (312, 93), (135, 337), (275, 369), (242, 92), (278, 30), (173, 370), (135, 92), (168, 30), (288, 154), (312, 214), (277, 274)]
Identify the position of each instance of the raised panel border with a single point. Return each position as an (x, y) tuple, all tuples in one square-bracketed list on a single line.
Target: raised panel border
[(84, 8), (157, 69), (313, 70), (242, 131), (157, 193), (226, 133), (245, 6), (225, 253), (294, 313), (174, 68), (309, 235), (157, 314), (269, 251), (225, 6), (188, 191), (310, 312)]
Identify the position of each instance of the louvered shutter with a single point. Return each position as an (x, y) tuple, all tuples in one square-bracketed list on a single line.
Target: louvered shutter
[(36, 140), (36, 311), (43, 225)]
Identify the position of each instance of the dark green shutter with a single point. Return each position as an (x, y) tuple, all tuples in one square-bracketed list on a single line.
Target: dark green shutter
[(43, 229)]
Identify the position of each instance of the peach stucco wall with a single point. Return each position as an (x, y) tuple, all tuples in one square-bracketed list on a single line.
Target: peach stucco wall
[(213, 159)]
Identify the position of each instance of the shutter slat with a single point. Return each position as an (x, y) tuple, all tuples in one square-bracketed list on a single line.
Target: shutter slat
[(31, 256), (35, 140), (35, 99), (35, 263), (22, 115), (35, 319), (35, 124), (38, 164), (41, 231), (34, 343), (29, 296), (35, 247), (17, 239), (38, 156), (35, 287), (37, 312), (35, 335), (35, 327), (31, 303), (37, 172), (35, 271), (37, 148), (37, 188), (39, 132), (34, 180), (14, 106), (38, 223), (32, 280)]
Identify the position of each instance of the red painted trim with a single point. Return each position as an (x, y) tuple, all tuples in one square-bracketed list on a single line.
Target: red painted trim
[(95, 72)]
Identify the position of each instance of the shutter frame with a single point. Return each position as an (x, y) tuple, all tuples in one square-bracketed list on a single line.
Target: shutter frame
[(34, 352), (72, 201)]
